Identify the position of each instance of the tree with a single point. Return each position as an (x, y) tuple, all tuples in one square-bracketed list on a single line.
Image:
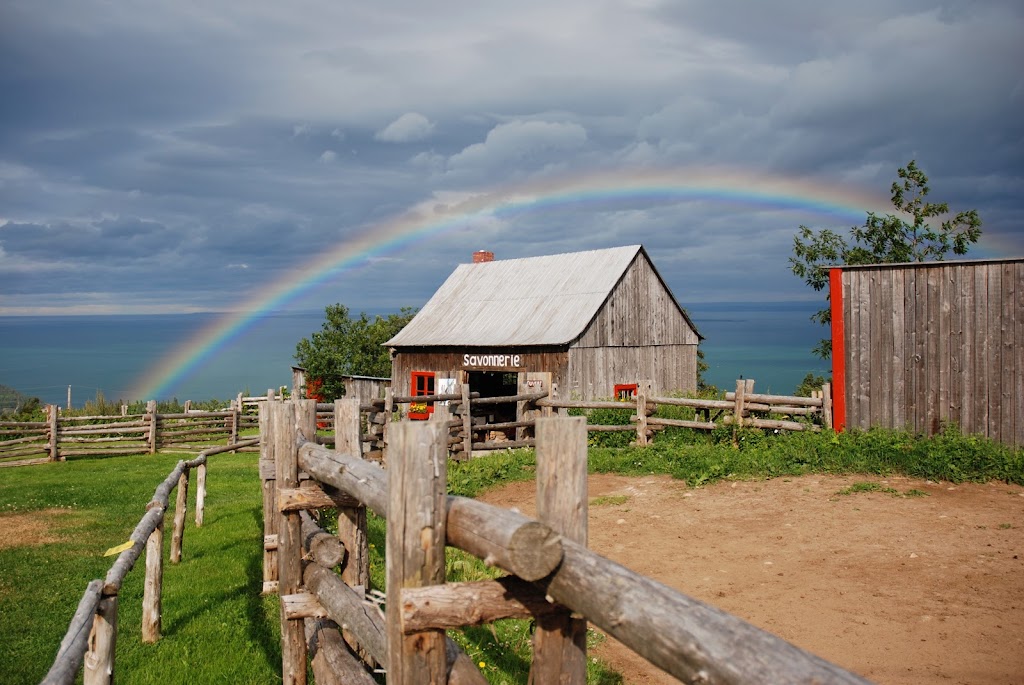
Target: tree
[(885, 239), (347, 345)]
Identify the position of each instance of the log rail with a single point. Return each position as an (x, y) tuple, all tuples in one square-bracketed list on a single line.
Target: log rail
[(552, 577)]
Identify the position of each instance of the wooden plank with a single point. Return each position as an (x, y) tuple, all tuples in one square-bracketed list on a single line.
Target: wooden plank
[(920, 350), (302, 605), (152, 592), (1010, 354), (954, 353), (1018, 392), (995, 350), (880, 356), (98, 668), (863, 351), (268, 477), (200, 495), (967, 353), (455, 605), (180, 512), (560, 641), (309, 495), (415, 546), (285, 419), (981, 351)]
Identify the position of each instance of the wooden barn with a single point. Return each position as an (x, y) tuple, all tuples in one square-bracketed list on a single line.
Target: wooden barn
[(921, 345), (596, 321)]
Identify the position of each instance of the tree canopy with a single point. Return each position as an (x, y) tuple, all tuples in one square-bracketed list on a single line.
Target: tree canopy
[(347, 345), (885, 239)]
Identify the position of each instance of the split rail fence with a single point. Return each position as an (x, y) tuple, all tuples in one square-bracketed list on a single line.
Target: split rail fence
[(552, 577), (60, 437), (471, 432), (91, 637)]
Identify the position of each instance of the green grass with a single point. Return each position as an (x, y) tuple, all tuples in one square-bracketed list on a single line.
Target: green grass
[(218, 629), (216, 626)]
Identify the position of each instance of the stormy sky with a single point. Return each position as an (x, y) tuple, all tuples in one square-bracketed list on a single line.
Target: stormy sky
[(179, 156)]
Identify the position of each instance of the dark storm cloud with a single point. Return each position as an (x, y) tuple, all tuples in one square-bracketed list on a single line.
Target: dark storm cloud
[(139, 144)]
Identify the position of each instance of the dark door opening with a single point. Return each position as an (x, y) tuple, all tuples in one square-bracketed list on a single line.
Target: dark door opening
[(495, 384)]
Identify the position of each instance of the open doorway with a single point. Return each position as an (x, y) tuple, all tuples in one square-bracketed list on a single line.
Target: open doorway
[(495, 384)]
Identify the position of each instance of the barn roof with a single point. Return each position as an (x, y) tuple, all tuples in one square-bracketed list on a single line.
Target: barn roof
[(547, 300)]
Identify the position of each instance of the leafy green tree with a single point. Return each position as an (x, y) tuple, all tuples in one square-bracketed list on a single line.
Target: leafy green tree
[(885, 239), (349, 345), (809, 384)]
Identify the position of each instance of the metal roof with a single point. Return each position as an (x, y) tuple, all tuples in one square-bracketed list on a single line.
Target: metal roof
[(546, 300)]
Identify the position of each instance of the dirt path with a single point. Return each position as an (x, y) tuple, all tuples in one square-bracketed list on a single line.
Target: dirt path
[(900, 589)]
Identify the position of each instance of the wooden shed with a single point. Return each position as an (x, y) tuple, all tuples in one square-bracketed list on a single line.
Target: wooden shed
[(920, 345), (365, 388), (596, 321)]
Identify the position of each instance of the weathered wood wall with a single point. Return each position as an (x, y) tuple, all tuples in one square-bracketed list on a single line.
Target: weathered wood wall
[(640, 311), (594, 371), (929, 344)]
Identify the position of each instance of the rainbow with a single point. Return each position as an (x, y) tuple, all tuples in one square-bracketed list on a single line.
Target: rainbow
[(435, 217)]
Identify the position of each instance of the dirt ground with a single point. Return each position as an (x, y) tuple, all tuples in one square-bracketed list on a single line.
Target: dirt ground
[(899, 589), (35, 528)]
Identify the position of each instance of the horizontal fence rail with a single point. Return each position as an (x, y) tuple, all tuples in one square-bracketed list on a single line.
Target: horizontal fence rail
[(473, 431), (61, 437), (553, 578)]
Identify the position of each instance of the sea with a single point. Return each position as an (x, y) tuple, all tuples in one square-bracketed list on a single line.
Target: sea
[(44, 356)]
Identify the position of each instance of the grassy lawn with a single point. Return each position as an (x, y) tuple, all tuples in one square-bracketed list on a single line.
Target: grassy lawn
[(216, 626)]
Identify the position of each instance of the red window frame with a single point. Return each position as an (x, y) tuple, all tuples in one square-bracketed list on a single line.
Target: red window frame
[(625, 391), (422, 383)]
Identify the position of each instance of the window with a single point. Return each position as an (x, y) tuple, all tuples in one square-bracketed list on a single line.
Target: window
[(422, 384), (625, 391)]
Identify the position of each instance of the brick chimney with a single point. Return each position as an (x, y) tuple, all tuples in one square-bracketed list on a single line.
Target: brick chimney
[(481, 256)]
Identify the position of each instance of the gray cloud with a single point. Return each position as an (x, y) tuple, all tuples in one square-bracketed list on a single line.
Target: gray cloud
[(139, 144), (409, 127)]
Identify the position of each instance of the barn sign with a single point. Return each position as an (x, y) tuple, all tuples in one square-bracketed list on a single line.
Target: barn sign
[(500, 361)]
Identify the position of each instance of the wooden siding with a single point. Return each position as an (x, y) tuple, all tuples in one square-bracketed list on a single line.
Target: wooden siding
[(640, 310), (584, 373), (933, 344), (594, 371)]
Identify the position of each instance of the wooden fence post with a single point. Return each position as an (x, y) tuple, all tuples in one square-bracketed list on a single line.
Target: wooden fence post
[(51, 419), (99, 659), (560, 641), (467, 422), (200, 494), (236, 416), (643, 391), (268, 476), (180, 511), (153, 588), (284, 419), (151, 417), (352, 520), (737, 417), (417, 479), (385, 431), (826, 406)]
